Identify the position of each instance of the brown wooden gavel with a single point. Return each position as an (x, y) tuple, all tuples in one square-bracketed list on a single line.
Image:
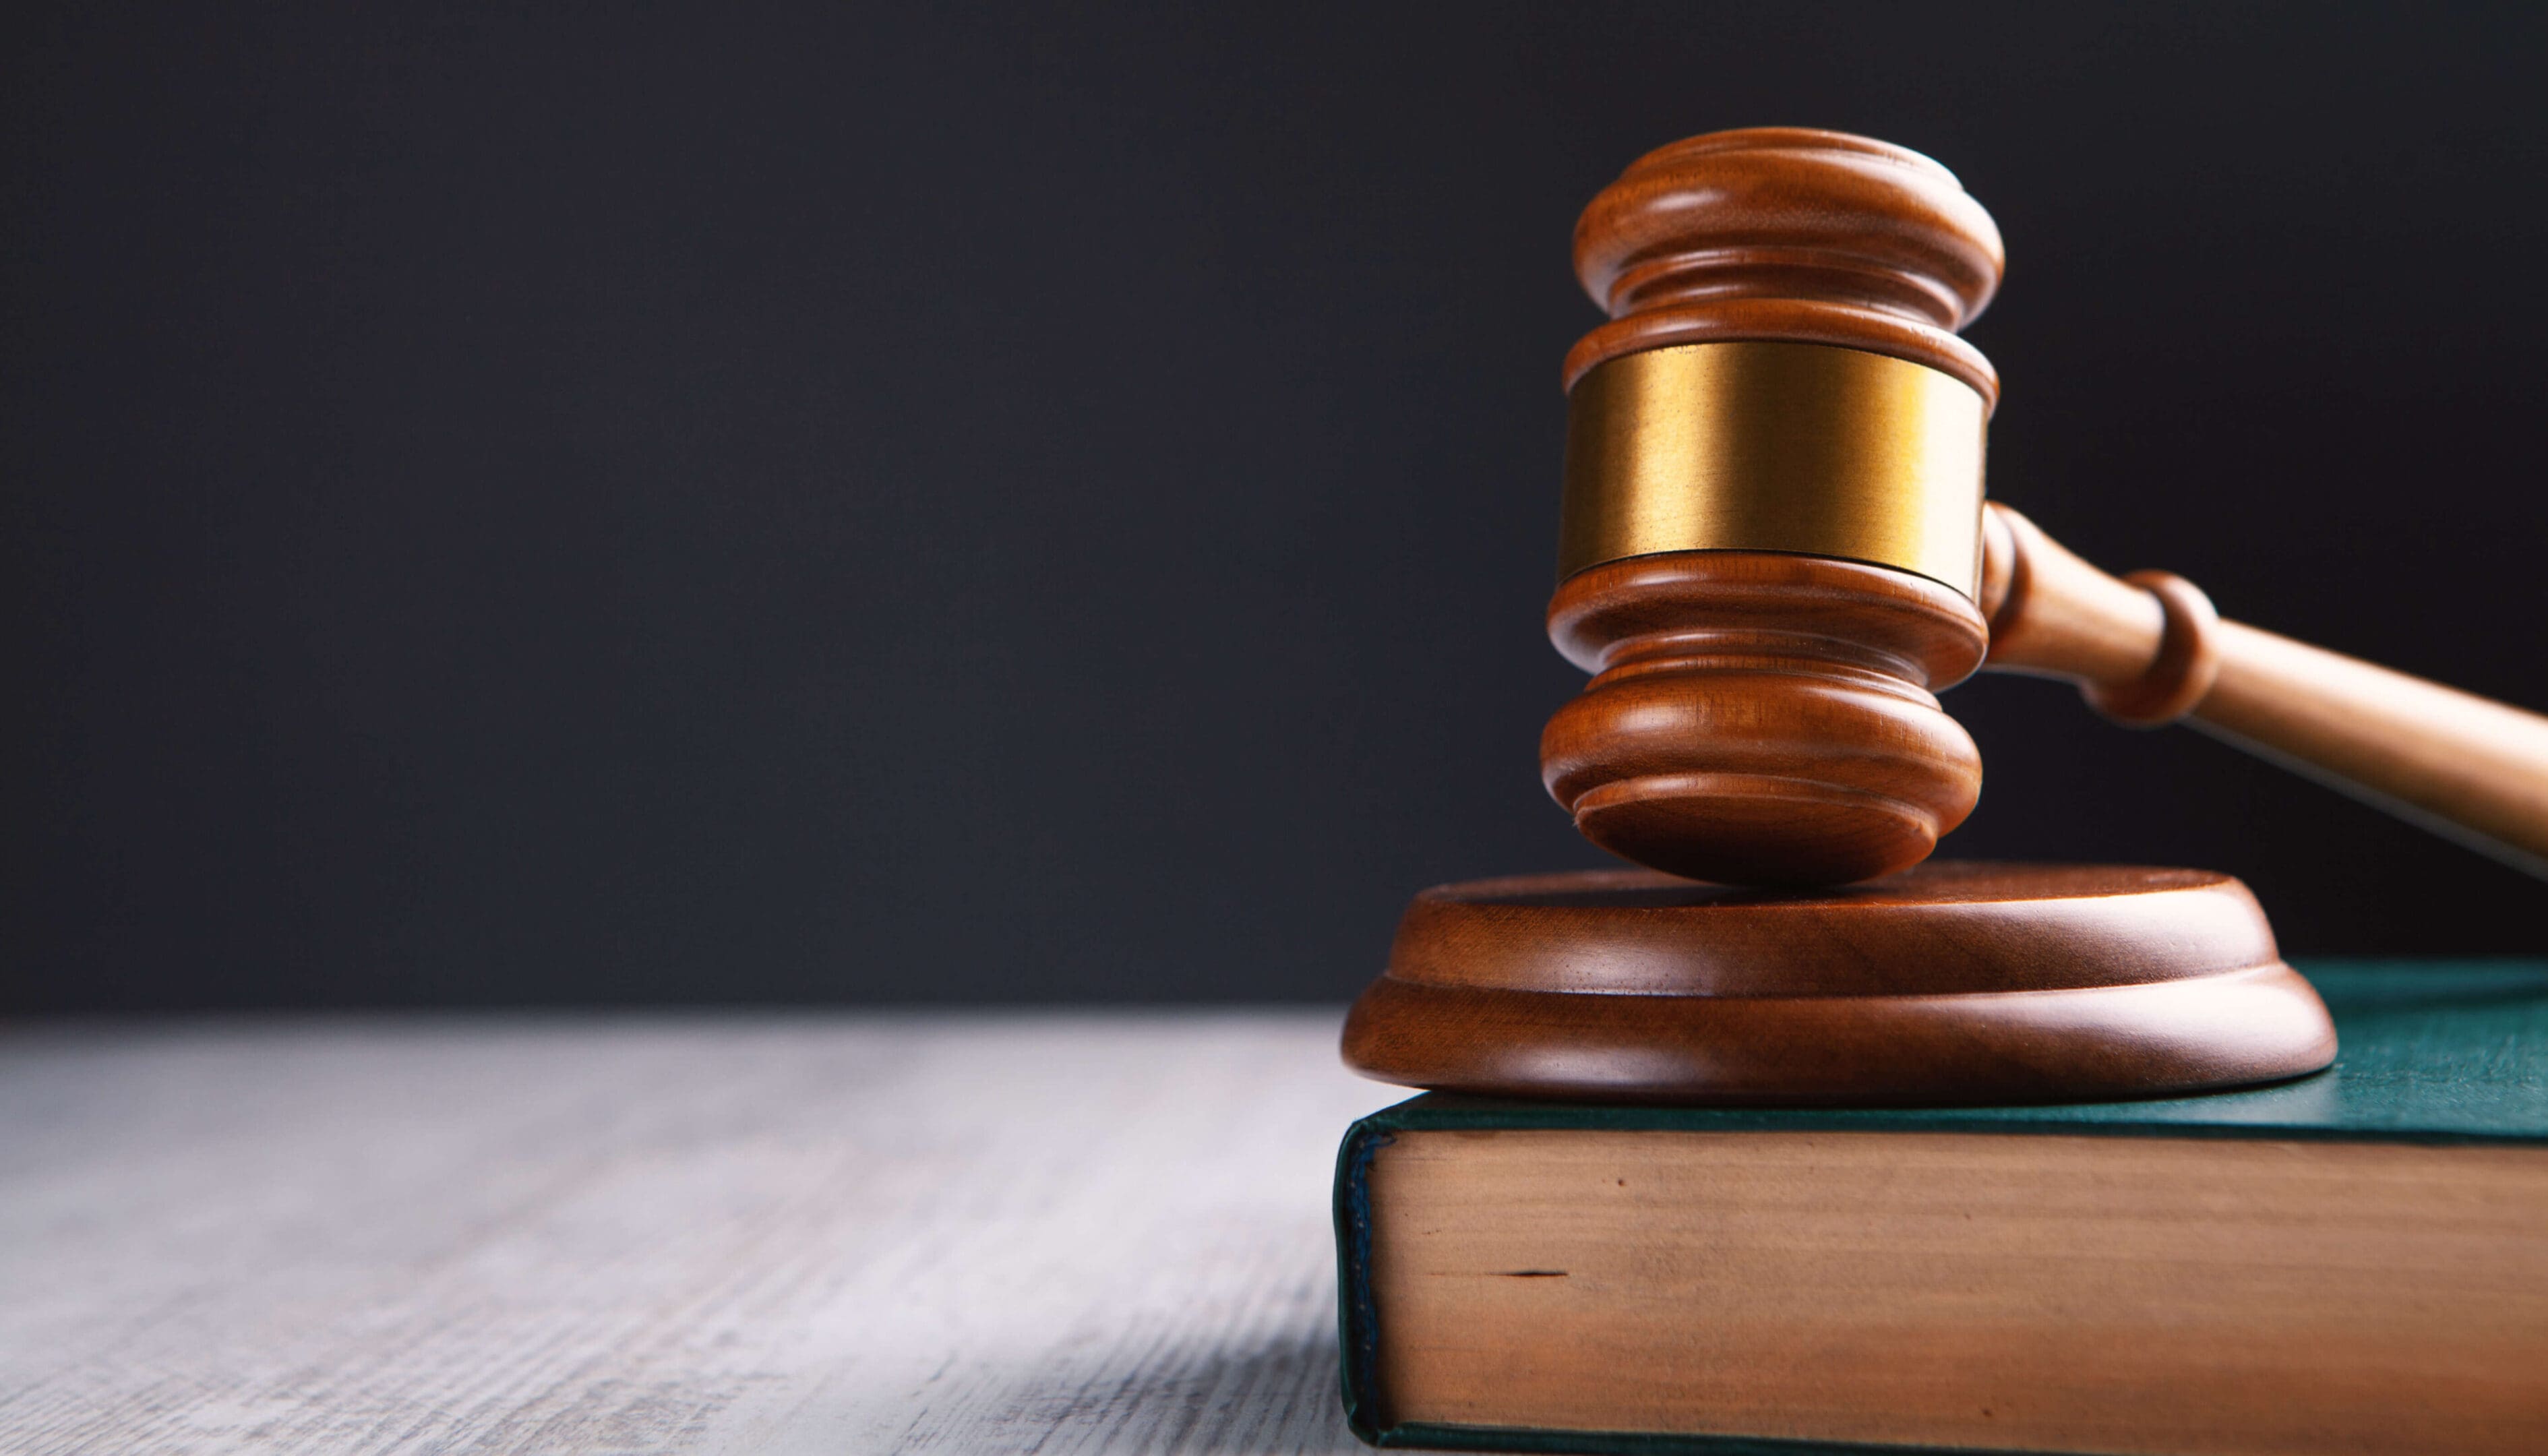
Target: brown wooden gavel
[(1775, 550)]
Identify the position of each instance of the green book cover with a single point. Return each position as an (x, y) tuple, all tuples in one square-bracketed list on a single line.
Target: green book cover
[(2431, 1052)]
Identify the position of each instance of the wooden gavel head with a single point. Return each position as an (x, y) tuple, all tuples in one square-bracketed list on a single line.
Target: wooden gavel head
[(1772, 542)]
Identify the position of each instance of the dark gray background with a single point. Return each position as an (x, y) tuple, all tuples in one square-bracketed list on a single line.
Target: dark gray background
[(902, 503)]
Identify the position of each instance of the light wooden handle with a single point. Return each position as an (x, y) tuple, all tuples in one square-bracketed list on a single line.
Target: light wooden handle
[(2149, 650)]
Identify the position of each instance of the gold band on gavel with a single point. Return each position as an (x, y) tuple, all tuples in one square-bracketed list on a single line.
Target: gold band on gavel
[(1756, 446)]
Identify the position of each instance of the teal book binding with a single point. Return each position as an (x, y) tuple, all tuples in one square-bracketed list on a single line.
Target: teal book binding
[(2434, 1052)]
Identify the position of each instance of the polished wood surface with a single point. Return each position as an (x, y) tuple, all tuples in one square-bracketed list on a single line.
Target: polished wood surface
[(2149, 649), (1767, 715), (1787, 233), (1950, 983), (1762, 719), (1771, 721)]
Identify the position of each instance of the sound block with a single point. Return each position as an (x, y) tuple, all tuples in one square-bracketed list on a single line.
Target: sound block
[(1949, 983)]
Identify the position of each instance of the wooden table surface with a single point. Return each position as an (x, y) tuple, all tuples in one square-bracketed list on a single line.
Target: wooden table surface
[(803, 1234)]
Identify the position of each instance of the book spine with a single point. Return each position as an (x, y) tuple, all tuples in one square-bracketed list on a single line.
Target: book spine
[(1357, 1321)]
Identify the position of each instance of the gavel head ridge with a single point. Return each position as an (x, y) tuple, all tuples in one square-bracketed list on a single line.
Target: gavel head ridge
[(1772, 547)]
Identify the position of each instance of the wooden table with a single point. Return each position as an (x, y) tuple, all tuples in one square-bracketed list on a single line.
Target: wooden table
[(810, 1233)]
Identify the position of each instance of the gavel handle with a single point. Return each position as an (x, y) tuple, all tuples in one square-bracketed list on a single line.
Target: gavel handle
[(2149, 650)]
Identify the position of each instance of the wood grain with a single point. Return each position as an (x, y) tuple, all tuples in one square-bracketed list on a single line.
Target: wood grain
[(1950, 983), (1788, 232), (1767, 724), (2182, 1296), (1058, 1234), (1765, 710), (1759, 718), (2149, 649)]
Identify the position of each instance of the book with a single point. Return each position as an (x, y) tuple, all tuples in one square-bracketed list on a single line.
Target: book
[(2356, 1262)]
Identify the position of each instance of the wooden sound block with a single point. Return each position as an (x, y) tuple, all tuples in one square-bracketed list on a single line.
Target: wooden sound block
[(1950, 983)]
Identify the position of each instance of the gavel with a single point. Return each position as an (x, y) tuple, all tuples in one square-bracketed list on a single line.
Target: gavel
[(1775, 550), (1775, 553)]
